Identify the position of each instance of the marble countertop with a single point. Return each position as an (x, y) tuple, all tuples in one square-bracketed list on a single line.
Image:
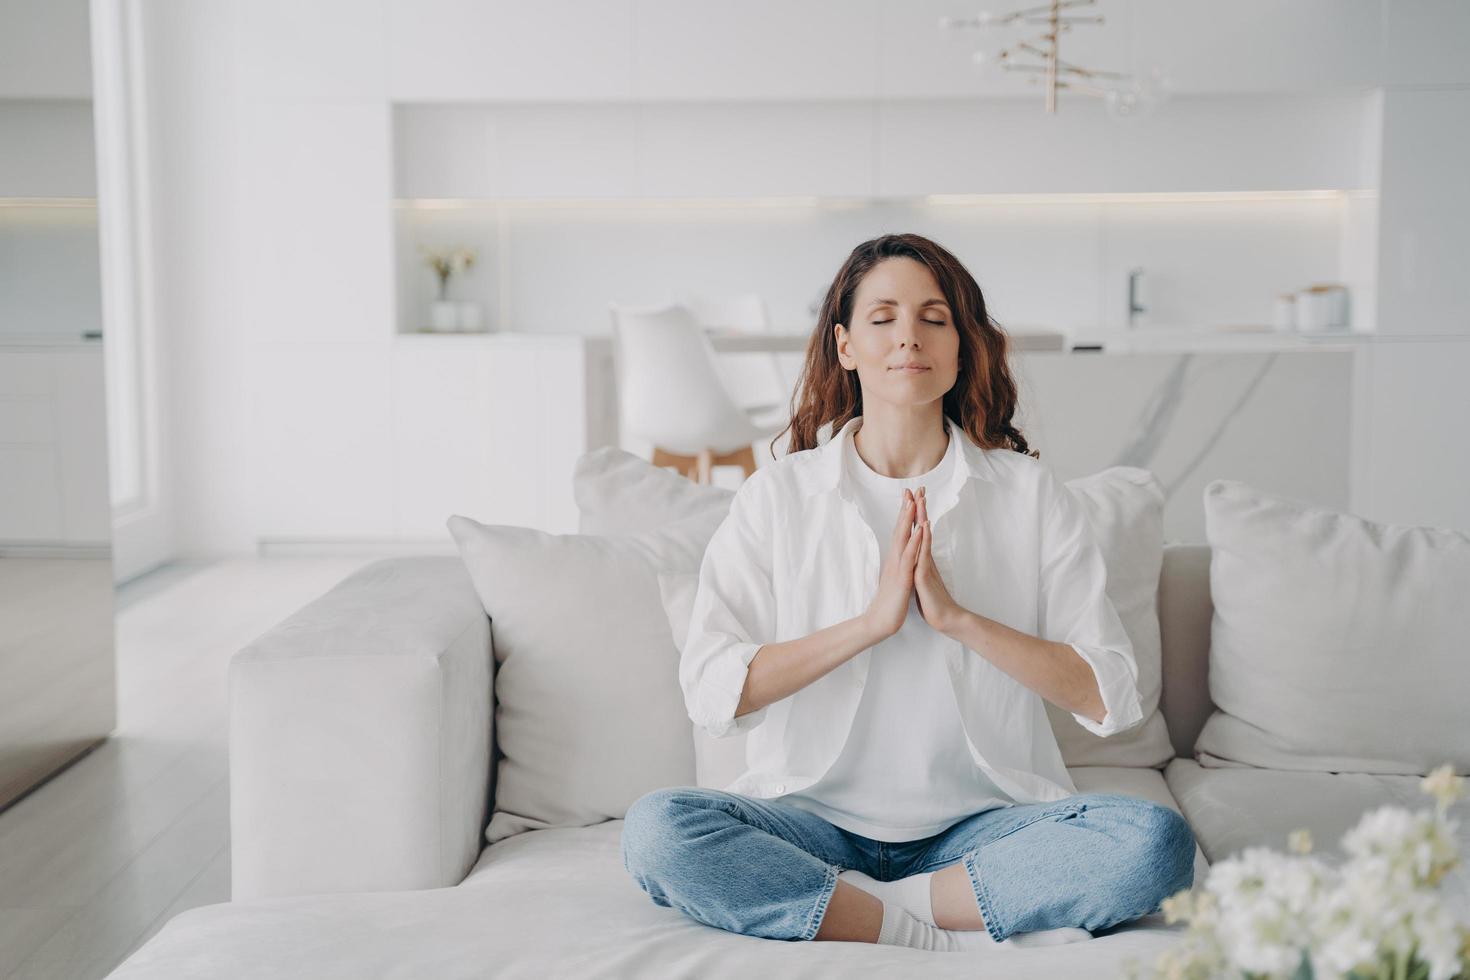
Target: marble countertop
[(1206, 338)]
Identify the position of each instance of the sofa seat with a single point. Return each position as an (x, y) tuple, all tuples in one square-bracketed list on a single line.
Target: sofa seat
[(1231, 808), (558, 902)]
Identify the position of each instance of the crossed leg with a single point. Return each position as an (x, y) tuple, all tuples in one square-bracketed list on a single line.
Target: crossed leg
[(764, 868), (1089, 861)]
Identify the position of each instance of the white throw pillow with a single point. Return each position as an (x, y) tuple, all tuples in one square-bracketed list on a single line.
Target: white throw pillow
[(1125, 506), (1337, 643), (588, 710), (620, 493), (718, 762)]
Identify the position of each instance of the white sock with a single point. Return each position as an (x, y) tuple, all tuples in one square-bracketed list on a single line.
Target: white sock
[(910, 894), (899, 928)]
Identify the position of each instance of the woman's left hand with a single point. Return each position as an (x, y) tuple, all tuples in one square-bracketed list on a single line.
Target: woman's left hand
[(938, 606)]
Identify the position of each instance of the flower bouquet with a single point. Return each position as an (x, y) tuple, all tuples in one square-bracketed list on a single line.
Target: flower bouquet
[(443, 313), (1381, 913)]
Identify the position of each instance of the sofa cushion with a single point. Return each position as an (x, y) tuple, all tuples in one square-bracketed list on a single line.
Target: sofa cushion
[(1337, 643), (1125, 506), (588, 711), (1234, 808), (718, 762), (618, 492), (559, 902)]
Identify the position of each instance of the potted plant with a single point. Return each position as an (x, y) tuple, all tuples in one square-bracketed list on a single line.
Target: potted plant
[(444, 314)]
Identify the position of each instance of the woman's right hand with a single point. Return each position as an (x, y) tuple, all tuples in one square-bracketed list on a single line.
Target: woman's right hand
[(890, 604)]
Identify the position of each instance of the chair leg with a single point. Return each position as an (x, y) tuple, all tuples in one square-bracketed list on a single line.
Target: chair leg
[(688, 466), (700, 468), (743, 457)]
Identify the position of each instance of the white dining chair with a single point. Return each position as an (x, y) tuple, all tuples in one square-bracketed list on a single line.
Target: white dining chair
[(671, 393), (757, 380)]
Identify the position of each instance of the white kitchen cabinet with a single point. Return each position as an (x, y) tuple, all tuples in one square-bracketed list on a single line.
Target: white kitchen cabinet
[(744, 149), (53, 447), (515, 151), (376, 445), (490, 426), (508, 49), (320, 420), (896, 148)]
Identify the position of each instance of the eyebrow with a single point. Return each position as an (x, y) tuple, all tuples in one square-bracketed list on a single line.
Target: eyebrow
[(894, 302)]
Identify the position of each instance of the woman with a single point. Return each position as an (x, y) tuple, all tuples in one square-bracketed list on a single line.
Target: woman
[(883, 613)]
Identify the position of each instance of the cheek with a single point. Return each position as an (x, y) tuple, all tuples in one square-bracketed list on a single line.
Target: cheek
[(871, 354)]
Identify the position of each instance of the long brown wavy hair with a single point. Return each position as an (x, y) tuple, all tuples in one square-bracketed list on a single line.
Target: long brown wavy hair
[(983, 399)]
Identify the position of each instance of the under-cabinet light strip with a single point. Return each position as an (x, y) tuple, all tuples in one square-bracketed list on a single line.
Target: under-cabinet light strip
[(934, 200), (48, 202)]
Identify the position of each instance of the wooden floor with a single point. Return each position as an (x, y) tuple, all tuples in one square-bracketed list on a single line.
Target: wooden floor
[(94, 861)]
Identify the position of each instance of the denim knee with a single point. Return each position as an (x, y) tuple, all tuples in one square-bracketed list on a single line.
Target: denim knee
[(1169, 844), (649, 832)]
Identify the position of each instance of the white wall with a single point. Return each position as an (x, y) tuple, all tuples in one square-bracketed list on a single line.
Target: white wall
[(198, 195)]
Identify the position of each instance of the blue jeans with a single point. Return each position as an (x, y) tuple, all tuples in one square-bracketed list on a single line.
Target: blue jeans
[(768, 868)]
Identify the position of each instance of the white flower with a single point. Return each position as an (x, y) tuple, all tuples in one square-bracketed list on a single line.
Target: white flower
[(1444, 785), (1266, 902), (1418, 847), (1261, 913)]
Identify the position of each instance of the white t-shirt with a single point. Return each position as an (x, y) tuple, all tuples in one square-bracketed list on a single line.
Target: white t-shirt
[(905, 772)]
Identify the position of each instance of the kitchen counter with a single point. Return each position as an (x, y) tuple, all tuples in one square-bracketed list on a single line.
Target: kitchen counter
[(1191, 338), (34, 340)]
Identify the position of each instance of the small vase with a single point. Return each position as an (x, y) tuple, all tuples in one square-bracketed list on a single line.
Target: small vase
[(469, 316), (443, 315)]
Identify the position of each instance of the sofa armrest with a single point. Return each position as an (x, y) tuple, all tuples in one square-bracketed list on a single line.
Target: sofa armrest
[(360, 737)]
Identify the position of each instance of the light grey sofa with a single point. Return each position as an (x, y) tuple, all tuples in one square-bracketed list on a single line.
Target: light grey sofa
[(362, 770)]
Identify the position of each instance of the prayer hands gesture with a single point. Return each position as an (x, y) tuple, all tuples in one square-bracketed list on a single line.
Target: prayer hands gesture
[(910, 569)]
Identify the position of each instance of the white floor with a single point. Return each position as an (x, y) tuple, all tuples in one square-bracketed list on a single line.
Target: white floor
[(96, 860)]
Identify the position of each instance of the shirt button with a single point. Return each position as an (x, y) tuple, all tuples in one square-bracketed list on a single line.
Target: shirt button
[(780, 787)]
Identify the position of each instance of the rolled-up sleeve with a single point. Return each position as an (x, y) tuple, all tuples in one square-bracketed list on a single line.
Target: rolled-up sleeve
[(1075, 608), (733, 615)]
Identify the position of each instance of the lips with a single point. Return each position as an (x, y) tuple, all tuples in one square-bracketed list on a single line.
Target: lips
[(910, 368)]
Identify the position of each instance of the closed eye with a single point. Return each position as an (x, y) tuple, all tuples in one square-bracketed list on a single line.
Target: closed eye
[(937, 323)]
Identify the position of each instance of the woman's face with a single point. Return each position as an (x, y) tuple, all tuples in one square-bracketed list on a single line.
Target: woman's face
[(899, 317)]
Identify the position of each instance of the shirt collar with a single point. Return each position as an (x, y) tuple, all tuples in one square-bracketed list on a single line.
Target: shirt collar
[(827, 472)]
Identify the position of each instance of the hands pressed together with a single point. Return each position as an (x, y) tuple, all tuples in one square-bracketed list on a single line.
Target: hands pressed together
[(909, 570)]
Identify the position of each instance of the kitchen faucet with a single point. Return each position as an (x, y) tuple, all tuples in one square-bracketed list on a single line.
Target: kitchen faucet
[(1134, 307)]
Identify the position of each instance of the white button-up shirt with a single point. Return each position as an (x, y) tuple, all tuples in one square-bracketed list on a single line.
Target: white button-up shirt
[(794, 556)]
